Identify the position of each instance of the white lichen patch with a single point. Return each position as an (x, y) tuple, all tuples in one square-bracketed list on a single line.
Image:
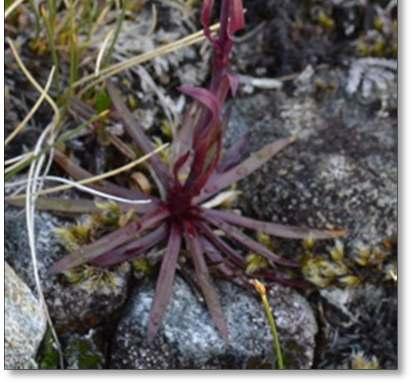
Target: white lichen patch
[(336, 167)]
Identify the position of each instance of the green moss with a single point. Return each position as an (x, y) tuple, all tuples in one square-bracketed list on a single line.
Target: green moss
[(102, 101), (142, 265), (48, 357), (325, 21), (92, 278), (167, 129), (255, 263), (369, 264), (82, 233), (132, 102), (82, 354)]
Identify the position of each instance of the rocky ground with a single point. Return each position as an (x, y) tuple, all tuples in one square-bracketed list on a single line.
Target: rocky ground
[(323, 71)]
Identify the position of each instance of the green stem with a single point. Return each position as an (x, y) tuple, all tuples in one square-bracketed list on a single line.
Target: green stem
[(49, 20), (37, 18), (119, 23), (74, 54), (273, 327)]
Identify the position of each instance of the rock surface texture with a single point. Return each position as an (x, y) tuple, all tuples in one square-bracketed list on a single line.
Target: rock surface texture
[(25, 323), (73, 306), (359, 320), (341, 171), (189, 340)]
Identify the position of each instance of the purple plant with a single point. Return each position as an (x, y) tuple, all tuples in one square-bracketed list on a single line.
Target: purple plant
[(198, 169)]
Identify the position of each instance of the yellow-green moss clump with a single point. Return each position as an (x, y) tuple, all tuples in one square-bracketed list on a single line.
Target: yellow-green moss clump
[(108, 218), (338, 269)]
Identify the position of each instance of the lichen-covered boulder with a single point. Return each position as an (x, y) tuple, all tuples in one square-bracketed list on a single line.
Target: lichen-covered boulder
[(188, 339), (25, 322), (342, 169), (340, 172)]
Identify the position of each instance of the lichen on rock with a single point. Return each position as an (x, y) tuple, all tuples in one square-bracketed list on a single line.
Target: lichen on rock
[(25, 323), (189, 340), (74, 304)]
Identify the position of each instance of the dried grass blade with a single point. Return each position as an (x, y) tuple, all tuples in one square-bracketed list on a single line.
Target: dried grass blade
[(69, 206), (38, 103)]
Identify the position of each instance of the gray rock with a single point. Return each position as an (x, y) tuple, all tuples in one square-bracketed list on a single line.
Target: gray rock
[(188, 339), (73, 306), (25, 323), (341, 171)]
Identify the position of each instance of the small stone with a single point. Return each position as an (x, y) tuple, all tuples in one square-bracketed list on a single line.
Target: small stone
[(25, 323)]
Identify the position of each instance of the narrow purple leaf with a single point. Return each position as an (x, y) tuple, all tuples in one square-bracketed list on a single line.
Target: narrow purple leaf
[(165, 282), (233, 155), (206, 143), (205, 97), (132, 249), (206, 14), (182, 142), (235, 258), (237, 19), (179, 164), (214, 256), (217, 261), (221, 245), (233, 83), (278, 230), (109, 242), (248, 242), (79, 173), (204, 280), (204, 165), (206, 135), (136, 131), (248, 166)]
